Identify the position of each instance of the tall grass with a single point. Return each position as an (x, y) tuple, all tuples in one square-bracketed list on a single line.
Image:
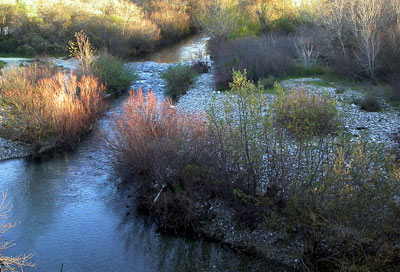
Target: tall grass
[(50, 105)]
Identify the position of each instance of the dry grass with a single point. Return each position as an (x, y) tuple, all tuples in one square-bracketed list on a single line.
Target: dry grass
[(45, 104)]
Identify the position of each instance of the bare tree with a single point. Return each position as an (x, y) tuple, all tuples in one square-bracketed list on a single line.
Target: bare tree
[(306, 51), (370, 19), (10, 263), (333, 20)]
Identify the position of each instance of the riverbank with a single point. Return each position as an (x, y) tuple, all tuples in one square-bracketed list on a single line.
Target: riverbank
[(216, 220)]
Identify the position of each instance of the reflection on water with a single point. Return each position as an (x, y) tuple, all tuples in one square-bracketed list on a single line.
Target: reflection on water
[(186, 49), (71, 214)]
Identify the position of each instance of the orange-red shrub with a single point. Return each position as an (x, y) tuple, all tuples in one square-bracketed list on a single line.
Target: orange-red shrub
[(165, 153), (46, 105)]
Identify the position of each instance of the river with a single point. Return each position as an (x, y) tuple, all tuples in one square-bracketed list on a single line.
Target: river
[(69, 212)]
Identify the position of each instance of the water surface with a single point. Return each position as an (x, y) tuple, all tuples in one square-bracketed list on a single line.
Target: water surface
[(71, 214)]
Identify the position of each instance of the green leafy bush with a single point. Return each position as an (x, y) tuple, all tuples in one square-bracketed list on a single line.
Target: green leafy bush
[(303, 114), (370, 103), (112, 72), (178, 78)]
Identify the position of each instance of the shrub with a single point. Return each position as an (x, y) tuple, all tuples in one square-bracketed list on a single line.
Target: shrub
[(164, 154), (178, 80), (349, 213), (340, 90), (83, 51), (48, 105), (240, 133), (261, 57), (303, 114), (171, 18), (267, 82), (333, 202), (112, 72), (201, 64), (370, 103)]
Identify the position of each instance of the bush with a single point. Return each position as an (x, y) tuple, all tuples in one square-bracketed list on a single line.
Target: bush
[(303, 114), (50, 105), (201, 64), (269, 55), (164, 154), (267, 83), (349, 213), (370, 103), (178, 80), (112, 72), (333, 202)]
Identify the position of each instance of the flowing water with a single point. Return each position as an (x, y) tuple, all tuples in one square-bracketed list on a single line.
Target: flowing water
[(69, 213)]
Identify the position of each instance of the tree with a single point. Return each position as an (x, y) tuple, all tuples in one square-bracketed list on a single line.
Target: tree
[(370, 19), (7, 14)]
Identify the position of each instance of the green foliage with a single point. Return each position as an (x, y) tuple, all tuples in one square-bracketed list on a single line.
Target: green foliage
[(370, 103), (285, 24), (312, 71), (267, 82), (7, 44), (242, 130), (111, 71), (304, 115), (122, 27), (178, 80), (336, 198), (349, 213)]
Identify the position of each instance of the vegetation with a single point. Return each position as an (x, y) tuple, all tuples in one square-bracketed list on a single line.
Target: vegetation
[(304, 115), (269, 55), (45, 104), (124, 28), (164, 150), (333, 199), (10, 263), (178, 79), (112, 72), (370, 103), (2, 64)]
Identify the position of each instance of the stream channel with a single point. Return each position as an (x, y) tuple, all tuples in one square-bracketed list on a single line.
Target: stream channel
[(70, 214)]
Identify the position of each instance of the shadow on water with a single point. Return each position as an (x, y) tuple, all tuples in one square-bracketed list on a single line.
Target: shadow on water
[(71, 214)]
